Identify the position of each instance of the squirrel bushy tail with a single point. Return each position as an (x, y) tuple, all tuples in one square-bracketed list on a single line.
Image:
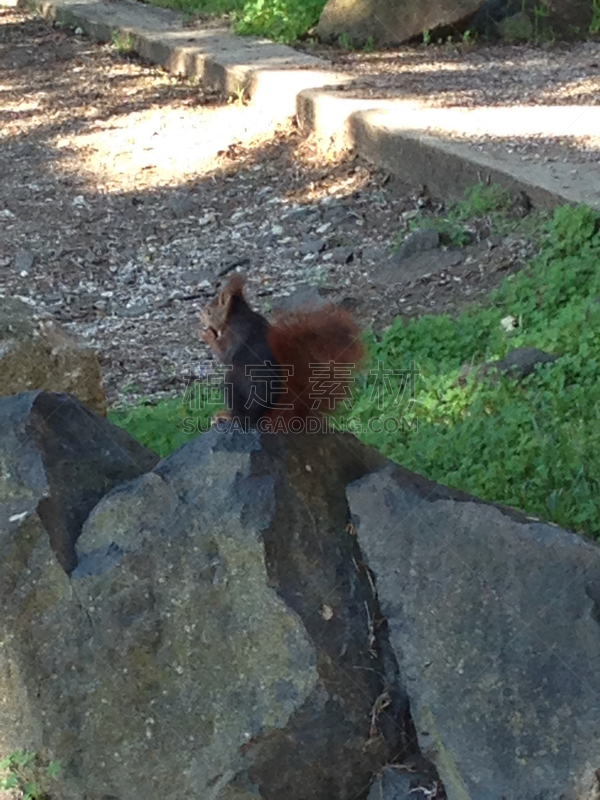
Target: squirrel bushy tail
[(318, 351), (305, 359)]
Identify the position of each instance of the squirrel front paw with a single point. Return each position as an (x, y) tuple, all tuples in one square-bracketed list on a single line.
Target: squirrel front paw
[(208, 336), (221, 416)]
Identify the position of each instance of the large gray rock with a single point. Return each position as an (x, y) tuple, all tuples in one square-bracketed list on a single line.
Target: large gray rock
[(36, 353), (495, 620), (219, 638), (390, 21), (57, 460)]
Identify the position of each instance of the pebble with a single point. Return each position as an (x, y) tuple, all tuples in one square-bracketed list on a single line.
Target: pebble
[(418, 242), (312, 246), (24, 261)]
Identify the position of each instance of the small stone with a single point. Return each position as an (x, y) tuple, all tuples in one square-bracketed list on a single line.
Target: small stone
[(206, 219), (509, 323), (79, 31), (134, 310), (198, 277), (128, 273), (374, 254), (519, 363), (521, 206), (342, 255), (277, 230), (302, 212), (418, 242), (180, 204), (334, 214), (417, 266), (312, 246), (522, 362), (305, 295), (24, 261)]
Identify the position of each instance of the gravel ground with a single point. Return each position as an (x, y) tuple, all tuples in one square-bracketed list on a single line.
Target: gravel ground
[(127, 195), (476, 75), (480, 77)]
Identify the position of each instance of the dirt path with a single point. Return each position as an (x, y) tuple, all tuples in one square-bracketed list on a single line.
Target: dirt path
[(126, 194), (469, 75)]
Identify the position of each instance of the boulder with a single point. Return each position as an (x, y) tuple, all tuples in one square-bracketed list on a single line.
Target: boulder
[(495, 621), (36, 353), (390, 22), (57, 460), (219, 638)]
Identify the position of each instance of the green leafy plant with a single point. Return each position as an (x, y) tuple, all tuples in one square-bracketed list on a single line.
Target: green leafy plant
[(451, 231), (484, 199), (426, 37), (345, 42), (541, 12), (369, 45), (123, 42), (165, 426), (281, 20), (531, 443), (24, 772), (480, 202), (595, 23)]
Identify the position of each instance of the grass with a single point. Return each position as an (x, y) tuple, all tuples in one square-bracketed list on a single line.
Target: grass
[(123, 43), (167, 425), (533, 444), (482, 203), (288, 21)]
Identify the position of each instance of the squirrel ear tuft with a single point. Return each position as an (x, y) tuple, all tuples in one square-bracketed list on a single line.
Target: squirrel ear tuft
[(235, 288), (236, 285)]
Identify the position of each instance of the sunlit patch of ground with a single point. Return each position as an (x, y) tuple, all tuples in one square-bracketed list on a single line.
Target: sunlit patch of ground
[(109, 123)]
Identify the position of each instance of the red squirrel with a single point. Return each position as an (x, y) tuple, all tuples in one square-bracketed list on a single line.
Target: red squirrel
[(298, 367)]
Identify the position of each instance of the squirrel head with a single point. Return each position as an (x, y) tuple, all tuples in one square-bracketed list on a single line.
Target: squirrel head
[(216, 314)]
